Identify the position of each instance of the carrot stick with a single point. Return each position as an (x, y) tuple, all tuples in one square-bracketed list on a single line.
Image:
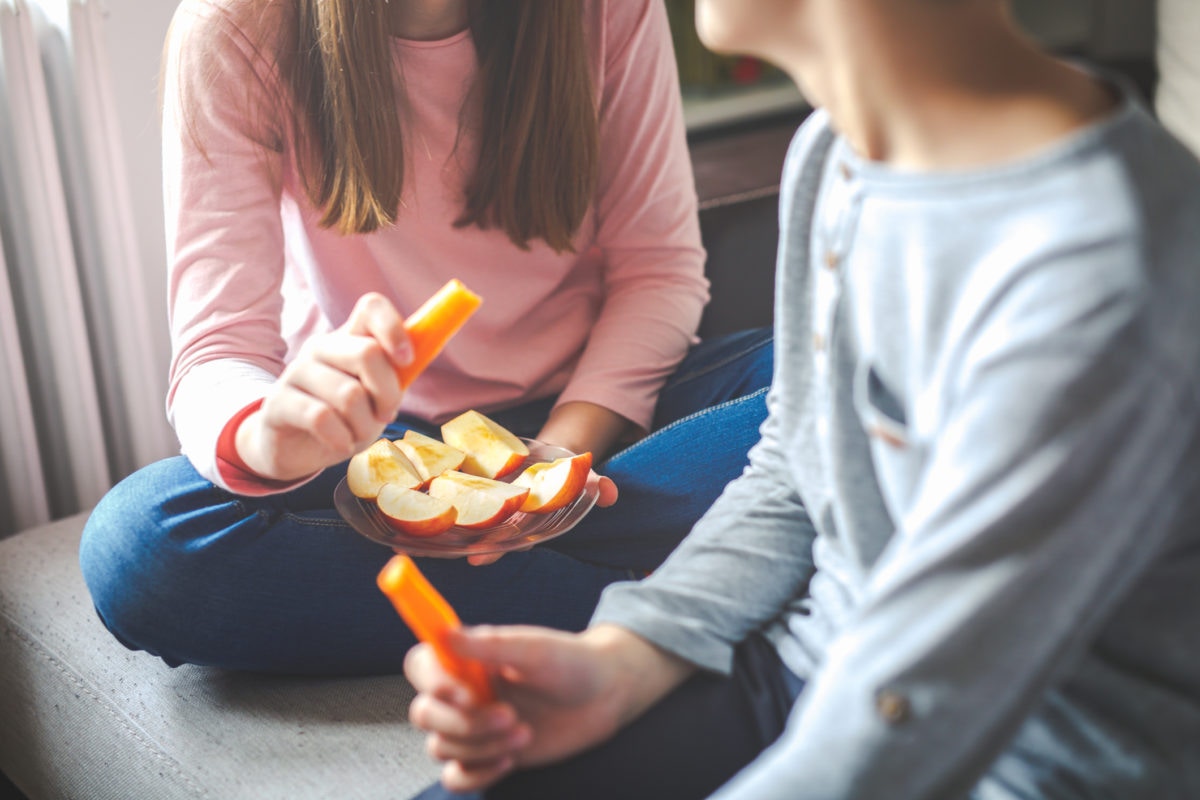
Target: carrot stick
[(432, 325), (430, 617)]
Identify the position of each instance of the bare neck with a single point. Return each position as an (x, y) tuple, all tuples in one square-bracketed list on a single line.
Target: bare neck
[(929, 86), (426, 20)]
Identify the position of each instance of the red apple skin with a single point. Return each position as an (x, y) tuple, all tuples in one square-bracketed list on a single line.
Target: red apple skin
[(492, 450), (415, 513), (429, 456), (554, 485), (481, 502)]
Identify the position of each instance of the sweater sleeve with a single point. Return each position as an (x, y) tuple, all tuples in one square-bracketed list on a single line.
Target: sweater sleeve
[(222, 166), (647, 223), (744, 561), (1055, 475)]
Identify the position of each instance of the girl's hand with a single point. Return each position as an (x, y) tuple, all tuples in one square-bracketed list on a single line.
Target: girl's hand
[(333, 400), (559, 694)]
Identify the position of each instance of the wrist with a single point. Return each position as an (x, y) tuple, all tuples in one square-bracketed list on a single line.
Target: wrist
[(584, 427), (639, 672), (229, 454), (244, 439)]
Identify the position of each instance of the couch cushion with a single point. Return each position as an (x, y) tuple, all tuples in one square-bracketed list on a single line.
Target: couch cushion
[(84, 717)]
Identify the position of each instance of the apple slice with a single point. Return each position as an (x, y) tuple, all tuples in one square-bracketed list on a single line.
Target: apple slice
[(481, 502), (380, 464), (554, 484), (492, 451), (429, 456), (415, 513)]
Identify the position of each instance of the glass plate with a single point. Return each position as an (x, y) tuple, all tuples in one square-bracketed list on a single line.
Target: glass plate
[(518, 532)]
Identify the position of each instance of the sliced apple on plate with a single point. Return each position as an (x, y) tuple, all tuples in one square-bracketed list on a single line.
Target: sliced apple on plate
[(415, 513), (554, 484), (481, 502), (380, 464), (429, 456), (492, 451)]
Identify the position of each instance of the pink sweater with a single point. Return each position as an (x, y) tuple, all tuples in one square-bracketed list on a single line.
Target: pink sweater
[(252, 273)]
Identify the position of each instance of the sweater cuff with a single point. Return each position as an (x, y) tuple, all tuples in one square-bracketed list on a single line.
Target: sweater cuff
[(233, 470)]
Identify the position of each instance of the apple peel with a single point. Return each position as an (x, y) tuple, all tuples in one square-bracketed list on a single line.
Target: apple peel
[(415, 513), (481, 502), (554, 484)]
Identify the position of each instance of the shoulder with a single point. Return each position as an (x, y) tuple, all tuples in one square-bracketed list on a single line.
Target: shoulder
[(212, 29), (1093, 252), (811, 141), (806, 156), (614, 26)]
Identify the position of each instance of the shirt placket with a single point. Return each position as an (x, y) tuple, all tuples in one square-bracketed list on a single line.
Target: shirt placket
[(834, 236)]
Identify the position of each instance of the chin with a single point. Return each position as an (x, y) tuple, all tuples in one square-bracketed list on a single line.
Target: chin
[(716, 27)]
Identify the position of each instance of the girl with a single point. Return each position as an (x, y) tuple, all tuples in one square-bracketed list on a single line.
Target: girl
[(964, 560), (328, 165)]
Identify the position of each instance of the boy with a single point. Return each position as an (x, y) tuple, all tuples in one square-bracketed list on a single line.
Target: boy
[(965, 559)]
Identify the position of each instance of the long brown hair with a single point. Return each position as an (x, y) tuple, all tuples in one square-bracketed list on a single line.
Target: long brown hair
[(538, 140)]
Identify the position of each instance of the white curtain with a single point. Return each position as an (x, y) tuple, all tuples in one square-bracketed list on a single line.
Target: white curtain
[(81, 401), (1179, 68)]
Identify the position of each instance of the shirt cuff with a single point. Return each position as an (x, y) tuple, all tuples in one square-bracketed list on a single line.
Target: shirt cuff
[(234, 472)]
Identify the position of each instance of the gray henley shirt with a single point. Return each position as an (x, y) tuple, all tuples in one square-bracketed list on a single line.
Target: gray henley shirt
[(972, 524)]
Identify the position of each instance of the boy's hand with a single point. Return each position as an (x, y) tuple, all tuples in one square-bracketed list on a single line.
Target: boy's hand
[(559, 693), (334, 399)]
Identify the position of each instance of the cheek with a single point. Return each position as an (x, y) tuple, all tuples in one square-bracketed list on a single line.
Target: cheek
[(722, 24), (746, 27)]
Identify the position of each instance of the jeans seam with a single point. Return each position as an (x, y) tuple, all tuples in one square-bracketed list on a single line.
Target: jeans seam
[(706, 369), (266, 515), (317, 522), (694, 415)]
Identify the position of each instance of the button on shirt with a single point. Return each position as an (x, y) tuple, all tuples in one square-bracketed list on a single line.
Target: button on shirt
[(971, 523)]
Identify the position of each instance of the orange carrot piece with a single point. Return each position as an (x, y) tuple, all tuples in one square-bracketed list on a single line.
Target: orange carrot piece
[(430, 617), (432, 325)]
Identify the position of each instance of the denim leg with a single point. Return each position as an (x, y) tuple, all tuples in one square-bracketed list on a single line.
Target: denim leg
[(193, 574), (710, 414)]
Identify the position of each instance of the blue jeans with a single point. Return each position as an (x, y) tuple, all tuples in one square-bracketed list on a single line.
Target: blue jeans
[(191, 573)]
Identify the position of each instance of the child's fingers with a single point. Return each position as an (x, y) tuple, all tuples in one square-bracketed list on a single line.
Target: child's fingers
[(376, 317), (518, 651), (462, 727), (478, 749), (364, 361), (461, 777), (608, 492), (298, 410), (343, 394), (427, 675)]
